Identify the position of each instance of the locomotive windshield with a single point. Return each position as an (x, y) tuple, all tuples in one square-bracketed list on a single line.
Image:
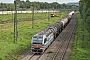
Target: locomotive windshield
[(37, 39)]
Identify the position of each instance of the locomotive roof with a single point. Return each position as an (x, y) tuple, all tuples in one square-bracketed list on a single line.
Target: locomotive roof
[(44, 32)]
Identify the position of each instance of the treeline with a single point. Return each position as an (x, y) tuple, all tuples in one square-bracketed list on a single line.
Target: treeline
[(85, 13), (27, 5)]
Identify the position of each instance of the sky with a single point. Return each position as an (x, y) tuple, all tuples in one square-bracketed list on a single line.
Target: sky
[(49, 1)]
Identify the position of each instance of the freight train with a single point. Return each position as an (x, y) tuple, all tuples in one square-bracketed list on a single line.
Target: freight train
[(43, 39)]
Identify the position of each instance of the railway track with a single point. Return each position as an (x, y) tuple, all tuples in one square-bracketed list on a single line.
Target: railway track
[(35, 57), (32, 56), (58, 49), (62, 49)]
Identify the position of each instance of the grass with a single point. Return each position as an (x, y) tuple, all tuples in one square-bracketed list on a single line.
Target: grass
[(50, 52), (25, 32), (81, 49), (22, 17)]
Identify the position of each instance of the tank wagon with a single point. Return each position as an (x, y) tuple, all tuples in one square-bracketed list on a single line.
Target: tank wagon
[(43, 39)]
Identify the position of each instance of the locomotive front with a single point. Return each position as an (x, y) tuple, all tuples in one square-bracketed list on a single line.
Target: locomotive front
[(37, 44)]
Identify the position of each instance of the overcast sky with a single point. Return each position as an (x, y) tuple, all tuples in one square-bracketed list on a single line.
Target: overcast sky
[(59, 1)]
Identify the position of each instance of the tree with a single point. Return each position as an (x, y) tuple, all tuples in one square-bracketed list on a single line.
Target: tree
[(10, 7), (85, 8), (27, 4)]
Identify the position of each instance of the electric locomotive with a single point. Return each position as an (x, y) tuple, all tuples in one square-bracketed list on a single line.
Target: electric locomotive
[(42, 40)]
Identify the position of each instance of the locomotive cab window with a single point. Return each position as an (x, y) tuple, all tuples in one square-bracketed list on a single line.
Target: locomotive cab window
[(37, 40)]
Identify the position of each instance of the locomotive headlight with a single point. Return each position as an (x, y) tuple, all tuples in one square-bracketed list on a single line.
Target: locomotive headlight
[(32, 48)]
